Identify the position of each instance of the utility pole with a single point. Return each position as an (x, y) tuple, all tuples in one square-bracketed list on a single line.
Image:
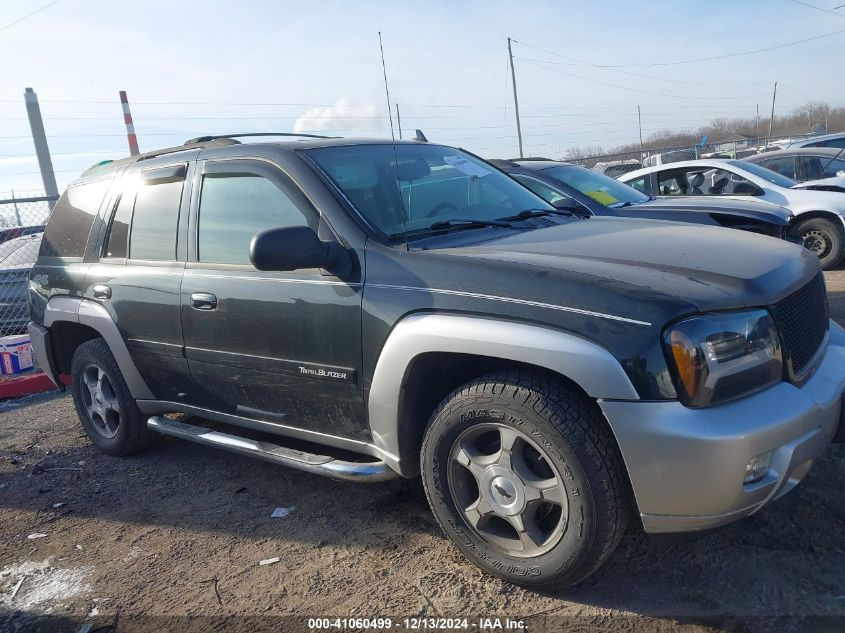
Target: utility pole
[(398, 121), (758, 125), (515, 100), (39, 139), (772, 119), (130, 126), (826, 130), (640, 121)]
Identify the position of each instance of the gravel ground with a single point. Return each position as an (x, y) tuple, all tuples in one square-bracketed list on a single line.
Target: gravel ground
[(171, 540)]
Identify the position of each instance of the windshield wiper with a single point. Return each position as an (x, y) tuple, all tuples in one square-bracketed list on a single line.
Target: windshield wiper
[(468, 223), (536, 213), (620, 205)]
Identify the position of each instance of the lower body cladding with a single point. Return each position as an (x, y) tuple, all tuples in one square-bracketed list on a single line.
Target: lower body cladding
[(694, 469)]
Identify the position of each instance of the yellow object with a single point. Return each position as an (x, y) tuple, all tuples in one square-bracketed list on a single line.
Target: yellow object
[(602, 197)]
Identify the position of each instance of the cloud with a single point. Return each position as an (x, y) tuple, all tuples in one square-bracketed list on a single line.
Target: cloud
[(342, 116)]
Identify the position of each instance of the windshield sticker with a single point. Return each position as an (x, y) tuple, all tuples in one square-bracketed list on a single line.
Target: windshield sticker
[(602, 197), (463, 165)]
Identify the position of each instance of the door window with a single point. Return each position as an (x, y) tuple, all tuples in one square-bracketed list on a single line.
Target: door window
[(816, 167), (541, 189), (236, 206), (118, 240), (784, 166), (154, 221)]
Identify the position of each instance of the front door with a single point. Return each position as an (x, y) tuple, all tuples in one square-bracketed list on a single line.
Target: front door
[(279, 347)]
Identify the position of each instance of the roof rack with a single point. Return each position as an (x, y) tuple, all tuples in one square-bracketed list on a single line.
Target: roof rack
[(205, 139)]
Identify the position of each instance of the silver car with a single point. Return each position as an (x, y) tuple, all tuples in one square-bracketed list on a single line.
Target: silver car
[(819, 215)]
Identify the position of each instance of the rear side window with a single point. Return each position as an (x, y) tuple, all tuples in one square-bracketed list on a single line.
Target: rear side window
[(154, 220), (68, 229), (783, 166)]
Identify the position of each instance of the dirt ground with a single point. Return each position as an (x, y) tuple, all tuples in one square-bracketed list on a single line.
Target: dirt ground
[(171, 539)]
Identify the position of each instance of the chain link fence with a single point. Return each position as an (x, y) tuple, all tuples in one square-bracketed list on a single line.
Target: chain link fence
[(22, 222)]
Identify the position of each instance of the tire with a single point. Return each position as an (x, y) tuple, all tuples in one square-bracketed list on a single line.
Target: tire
[(113, 421), (822, 237), (538, 417)]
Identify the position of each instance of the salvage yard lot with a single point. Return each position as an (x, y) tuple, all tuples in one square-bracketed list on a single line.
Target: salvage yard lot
[(180, 529)]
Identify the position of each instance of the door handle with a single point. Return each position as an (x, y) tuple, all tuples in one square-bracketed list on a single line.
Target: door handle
[(203, 301), (101, 291)]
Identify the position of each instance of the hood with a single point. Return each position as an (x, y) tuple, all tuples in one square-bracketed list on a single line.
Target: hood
[(745, 207), (712, 268)]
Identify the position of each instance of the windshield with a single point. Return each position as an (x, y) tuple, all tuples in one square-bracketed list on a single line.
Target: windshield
[(603, 189), (766, 174), (406, 188)]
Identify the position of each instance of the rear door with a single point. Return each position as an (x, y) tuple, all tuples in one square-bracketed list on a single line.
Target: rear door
[(137, 272), (280, 347)]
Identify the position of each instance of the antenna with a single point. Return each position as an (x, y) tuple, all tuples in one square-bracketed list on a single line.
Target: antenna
[(386, 90)]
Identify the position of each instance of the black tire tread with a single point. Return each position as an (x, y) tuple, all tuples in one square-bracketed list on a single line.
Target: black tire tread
[(579, 420), (137, 436)]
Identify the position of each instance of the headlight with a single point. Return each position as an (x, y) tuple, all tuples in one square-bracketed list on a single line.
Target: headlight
[(718, 357)]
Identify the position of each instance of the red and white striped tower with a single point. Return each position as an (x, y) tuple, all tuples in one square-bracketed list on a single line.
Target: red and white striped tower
[(130, 127)]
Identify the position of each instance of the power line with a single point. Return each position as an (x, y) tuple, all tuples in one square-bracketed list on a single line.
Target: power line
[(812, 6), (612, 85), (584, 62), (727, 55), (29, 15)]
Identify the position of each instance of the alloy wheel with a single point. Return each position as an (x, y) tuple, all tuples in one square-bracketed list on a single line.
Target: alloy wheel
[(508, 490), (100, 400)]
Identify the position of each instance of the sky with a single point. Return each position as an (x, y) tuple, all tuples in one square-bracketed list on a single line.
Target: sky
[(215, 66)]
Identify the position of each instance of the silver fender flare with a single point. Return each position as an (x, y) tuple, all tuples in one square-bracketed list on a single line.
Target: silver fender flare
[(587, 364), (95, 316)]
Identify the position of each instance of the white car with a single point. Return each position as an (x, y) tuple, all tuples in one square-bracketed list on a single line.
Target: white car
[(824, 140), (819, 215)]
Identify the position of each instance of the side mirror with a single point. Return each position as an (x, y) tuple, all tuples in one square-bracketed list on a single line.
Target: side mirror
[(569, 204), (294, 248)]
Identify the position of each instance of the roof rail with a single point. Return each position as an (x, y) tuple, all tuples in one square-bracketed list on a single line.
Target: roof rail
[(205, 139)]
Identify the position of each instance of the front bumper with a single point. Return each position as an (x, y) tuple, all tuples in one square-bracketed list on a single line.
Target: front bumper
[(42, 352), (687, 465)]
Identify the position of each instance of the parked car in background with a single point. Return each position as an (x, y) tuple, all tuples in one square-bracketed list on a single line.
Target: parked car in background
[(19, 231), (17, 257), (615, 168), (597, 194), (819, 215), (818, 167), (836, 140)]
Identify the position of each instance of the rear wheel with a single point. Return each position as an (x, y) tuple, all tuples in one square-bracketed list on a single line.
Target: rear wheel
[(523, 475), (103, 402), (821, 237)]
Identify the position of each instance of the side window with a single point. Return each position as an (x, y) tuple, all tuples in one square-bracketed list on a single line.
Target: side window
[(638, 184), (783, 166), (154, 222), (834, 142), (541, 189), (67, 231), (236, 206), (118, 240), (670, 183)]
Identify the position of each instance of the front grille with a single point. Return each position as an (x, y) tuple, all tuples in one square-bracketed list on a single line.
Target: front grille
[(802, 319)]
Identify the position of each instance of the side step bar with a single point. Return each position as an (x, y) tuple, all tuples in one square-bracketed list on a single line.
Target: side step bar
[(317, 464)]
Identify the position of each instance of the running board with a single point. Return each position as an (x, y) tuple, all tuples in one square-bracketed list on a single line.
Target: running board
[(310, 462)]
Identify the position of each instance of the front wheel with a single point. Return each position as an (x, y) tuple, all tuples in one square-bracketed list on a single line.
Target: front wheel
[(821, 237), (523, 474)]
